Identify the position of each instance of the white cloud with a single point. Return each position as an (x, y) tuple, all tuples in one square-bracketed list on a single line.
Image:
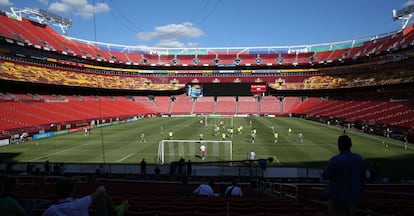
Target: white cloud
[(78, 7), (169, 35), (174, 43), (408, 3), (45, 2), (5, 3), (171, 32)]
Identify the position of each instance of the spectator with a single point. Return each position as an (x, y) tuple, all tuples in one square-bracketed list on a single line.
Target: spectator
[(46, 166), (184, 189), (205, 189), (143, 166), (8, 204), (346, 175), (189, 168), (234, 190), (181, 164), (69, 206), (157, 170), (29, 168)]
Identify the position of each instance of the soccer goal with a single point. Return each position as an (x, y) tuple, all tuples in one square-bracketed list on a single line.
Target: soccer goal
[(172, 150), (217, 120)]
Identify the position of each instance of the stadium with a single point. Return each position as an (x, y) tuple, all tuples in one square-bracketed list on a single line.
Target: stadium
[(82, 104)]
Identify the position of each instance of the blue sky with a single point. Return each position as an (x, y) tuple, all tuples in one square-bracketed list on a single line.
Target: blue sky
[(221, 23)]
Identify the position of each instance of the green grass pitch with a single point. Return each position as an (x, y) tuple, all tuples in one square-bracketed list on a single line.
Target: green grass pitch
[(121, 144)]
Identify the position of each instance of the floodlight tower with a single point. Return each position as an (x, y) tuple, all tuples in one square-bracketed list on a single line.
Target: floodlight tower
[(404, 14), (43, 17)]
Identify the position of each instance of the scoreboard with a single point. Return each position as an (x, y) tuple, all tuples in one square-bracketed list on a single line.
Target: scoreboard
[(258, 89), (233, 89)]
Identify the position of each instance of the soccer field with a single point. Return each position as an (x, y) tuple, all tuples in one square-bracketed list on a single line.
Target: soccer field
[(121, 144)]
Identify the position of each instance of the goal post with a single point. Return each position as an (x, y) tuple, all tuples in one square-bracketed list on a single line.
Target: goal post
[(172, 150), (211, 120)]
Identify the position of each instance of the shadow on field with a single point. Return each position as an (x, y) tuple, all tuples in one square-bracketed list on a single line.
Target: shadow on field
[(9, 156)]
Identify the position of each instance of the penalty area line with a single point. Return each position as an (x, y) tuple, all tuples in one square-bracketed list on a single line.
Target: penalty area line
[(274, 157), (125, 157)]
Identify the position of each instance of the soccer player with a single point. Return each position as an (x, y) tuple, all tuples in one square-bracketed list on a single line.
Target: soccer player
[(405, 142), (142, 138), (170, 135), (231, 132), (300, 135), (203, 149), (216, 130), (222, 123), (252, 136), (252, 155), (273, 129), (254, 131), (289, 131), (162, 130), (223, 136), (201, 136), (275, 136)]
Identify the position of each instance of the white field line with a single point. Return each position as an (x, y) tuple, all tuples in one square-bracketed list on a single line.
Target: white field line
[(58, 152), (125, 157), (274, 157)]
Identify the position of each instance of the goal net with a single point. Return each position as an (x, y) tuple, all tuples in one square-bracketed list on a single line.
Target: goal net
[(218, 120), (173, 150)]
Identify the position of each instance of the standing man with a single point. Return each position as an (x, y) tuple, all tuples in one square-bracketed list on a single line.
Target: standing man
[(143, 165), (170, 135), (300, 135), (252, 155), (275, 136), (203, 149), (142, 138), (346, 174), (252, 137)]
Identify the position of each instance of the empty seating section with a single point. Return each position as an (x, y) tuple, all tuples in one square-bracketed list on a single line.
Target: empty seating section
[(186, 60), (270, 105), (322, 56), (31, 113), (248, 59), (304, 58), (388, 113), (146, 102), (339, 54), (206, 59), (5, 30), (247, 105), (269, 59), (226, 105), (182, 105), (23, 34), (163, 104), (119, 57), (204, 105), (289, 103)]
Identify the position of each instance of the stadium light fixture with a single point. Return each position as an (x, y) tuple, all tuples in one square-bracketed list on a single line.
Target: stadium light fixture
[(43, 17), (404, 14)]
